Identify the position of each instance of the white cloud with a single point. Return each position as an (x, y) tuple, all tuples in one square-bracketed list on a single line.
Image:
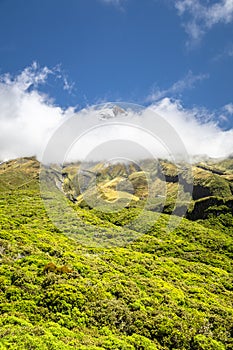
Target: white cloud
[(229, 108), (221, 12), (30, 76), (28, 119), (188, 82), (200, 135), (201, 16)]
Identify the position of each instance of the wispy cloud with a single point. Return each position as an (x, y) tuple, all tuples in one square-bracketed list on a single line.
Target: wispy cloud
[(68, 85), (118, 3), (229, 108), (201, 16), (188, 82), (226, 52), (225, 114), (33, 76)]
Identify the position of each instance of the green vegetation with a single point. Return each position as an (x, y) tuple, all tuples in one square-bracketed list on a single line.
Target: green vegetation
[(165, 290)]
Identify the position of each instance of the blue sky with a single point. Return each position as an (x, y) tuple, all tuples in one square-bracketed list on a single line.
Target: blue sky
[(120, 49), (139, 51)]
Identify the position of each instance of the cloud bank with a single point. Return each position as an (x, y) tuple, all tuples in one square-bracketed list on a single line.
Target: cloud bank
[(29, 119), (27, 116)]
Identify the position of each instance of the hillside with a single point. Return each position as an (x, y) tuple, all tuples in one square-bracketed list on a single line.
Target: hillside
[(151, 289)]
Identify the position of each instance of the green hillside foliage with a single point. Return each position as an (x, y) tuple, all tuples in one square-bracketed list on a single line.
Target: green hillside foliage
[(165, 290)]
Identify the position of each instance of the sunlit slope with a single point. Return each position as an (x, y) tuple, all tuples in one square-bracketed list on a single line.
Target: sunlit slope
[(210, 184)]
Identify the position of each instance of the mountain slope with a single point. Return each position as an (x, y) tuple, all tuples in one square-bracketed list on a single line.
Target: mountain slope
[(165, 290)]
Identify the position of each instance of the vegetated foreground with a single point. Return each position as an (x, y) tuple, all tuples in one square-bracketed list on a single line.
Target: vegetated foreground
[(163, 290)]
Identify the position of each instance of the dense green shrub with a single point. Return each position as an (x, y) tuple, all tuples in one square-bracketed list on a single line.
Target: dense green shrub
[(163, 291)]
